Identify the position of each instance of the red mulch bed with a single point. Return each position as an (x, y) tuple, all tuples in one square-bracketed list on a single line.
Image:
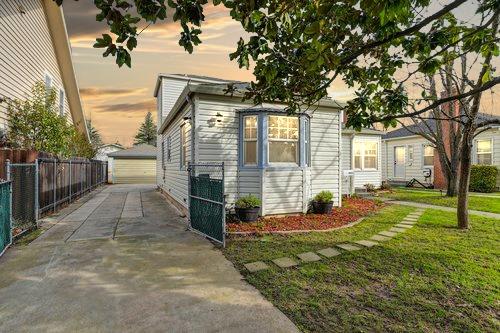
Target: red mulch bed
[(352, 209)]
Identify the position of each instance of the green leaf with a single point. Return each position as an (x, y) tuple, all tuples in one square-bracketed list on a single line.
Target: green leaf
[(131, 43)]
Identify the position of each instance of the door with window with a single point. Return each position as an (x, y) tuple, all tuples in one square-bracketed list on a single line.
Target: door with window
[(399, 162)]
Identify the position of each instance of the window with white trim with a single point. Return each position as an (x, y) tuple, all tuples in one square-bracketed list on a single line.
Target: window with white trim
[(163, 154), (365, 155), (48, 85), (307, 139), (169, 149), (283, 138), (410, 153), (61, 102), (250, 140), (428, 156), (483, 151)]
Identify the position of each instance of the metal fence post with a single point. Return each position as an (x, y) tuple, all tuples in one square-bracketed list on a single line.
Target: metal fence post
[(8, 170), (37, 189), (70, 184), (223, 208), (55, 185)]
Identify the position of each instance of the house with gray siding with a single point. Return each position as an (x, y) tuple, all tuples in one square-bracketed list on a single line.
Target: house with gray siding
[(284, 160), (406, 155), (35, 48)]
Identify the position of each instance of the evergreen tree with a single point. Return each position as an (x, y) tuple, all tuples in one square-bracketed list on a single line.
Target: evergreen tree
[(95, 136), (147, 132)]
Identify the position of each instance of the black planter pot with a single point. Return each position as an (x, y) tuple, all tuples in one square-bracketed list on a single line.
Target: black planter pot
[(247, 214), (322, 207)]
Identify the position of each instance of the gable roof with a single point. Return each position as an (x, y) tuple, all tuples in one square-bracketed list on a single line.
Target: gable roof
[(62, 49), (430, 128), (139, 151), (199, 79)]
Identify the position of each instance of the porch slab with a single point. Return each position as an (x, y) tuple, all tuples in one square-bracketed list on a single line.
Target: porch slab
[(256, 266), (328, 252), (309, 257), (285, 262), (387, 233), (348, 247), (366, 243), (380, 238)]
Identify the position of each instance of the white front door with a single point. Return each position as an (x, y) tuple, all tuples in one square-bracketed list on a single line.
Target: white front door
[(399, 162)]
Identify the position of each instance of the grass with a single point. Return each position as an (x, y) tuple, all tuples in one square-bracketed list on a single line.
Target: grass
[(433, 278), (30, 236), (476, 202)]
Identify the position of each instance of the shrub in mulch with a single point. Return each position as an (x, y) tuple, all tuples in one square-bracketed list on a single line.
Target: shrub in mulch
[(352, 209)]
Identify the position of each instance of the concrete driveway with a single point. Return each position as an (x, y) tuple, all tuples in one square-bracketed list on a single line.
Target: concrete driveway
[(121, 260)]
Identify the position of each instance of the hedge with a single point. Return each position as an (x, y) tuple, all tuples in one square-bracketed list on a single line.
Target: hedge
[(483, 178)]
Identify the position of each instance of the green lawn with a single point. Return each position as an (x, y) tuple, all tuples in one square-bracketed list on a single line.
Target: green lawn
[(476, 202), (433, 278)]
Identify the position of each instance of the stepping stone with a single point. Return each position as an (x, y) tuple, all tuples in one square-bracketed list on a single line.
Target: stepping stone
[(348, 247), (408, 222), (380, 238), (256, 266), (387, 233), (366, 243), (407, 226), (414, 215), (285, 262), (394, 229), (309, 256), (329, 252)]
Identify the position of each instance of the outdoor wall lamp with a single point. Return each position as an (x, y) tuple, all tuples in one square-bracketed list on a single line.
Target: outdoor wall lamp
[(219, 115)]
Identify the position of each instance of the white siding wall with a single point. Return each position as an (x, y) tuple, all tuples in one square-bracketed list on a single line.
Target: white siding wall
[(325, 153), (413, 168), (174, 179), (26, 53), (283, 191), (494, 136)]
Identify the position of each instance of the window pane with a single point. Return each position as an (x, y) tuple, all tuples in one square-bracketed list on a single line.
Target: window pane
[(273, 133), (484, 159), (273, 121), (429, 151), (483, 146), (293, 123), (428, 160), (250, 148), (357, 162), (280, 152), (357, 148), (251, 133), (370, 162), (251, 121)]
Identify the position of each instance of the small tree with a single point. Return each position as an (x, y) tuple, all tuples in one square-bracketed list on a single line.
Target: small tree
[(147, 132), (36, 124), (95, 136)]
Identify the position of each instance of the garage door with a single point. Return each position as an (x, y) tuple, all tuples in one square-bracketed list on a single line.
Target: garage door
[(134, 171)]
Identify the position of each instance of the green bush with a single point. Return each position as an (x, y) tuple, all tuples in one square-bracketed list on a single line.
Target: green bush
[(324, 196), (249, 201), (483, 178)]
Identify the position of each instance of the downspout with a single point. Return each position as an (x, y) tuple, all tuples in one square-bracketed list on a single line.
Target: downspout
[(351, 166), (193, 127)]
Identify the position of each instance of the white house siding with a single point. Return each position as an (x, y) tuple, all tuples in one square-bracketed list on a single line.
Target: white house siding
[(325, 153), (283, 191), (413, 168), (494, 136), (27, 52), (361, 177), (173, 178)]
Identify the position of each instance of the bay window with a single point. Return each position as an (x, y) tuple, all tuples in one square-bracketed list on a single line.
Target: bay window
[(365, 155), (250, 140), (483, 151), (283, 138), (428, 155)]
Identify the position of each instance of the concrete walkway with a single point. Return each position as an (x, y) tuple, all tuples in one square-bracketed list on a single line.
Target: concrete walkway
[(122, 261), (447, 209)]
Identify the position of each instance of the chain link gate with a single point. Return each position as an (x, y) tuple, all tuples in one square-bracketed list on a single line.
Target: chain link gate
[(24, 179), (207, 206), (5, 216)]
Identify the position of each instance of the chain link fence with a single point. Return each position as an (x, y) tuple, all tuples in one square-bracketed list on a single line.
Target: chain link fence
[(24, 191), (5, 216), (206, 200)]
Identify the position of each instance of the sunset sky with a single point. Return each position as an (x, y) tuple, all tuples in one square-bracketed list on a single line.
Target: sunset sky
[(117, 99)]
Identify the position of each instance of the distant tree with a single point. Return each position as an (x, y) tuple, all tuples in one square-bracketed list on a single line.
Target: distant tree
[(35, 124), (147, 132), (95, 136)]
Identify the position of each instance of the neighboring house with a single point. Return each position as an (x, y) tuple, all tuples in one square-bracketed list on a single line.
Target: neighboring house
[(405, 155), (361, 159), (35, 47), (102, 155), (136, 165), (284, 160)]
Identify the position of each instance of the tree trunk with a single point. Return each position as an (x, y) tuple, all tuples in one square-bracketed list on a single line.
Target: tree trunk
[(464, 177), (451, 186)]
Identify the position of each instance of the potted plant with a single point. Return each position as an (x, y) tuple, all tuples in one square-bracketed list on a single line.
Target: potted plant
[(247, 208), (323, 203)]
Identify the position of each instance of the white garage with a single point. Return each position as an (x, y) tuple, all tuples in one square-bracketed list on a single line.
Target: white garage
[(136, 165)]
